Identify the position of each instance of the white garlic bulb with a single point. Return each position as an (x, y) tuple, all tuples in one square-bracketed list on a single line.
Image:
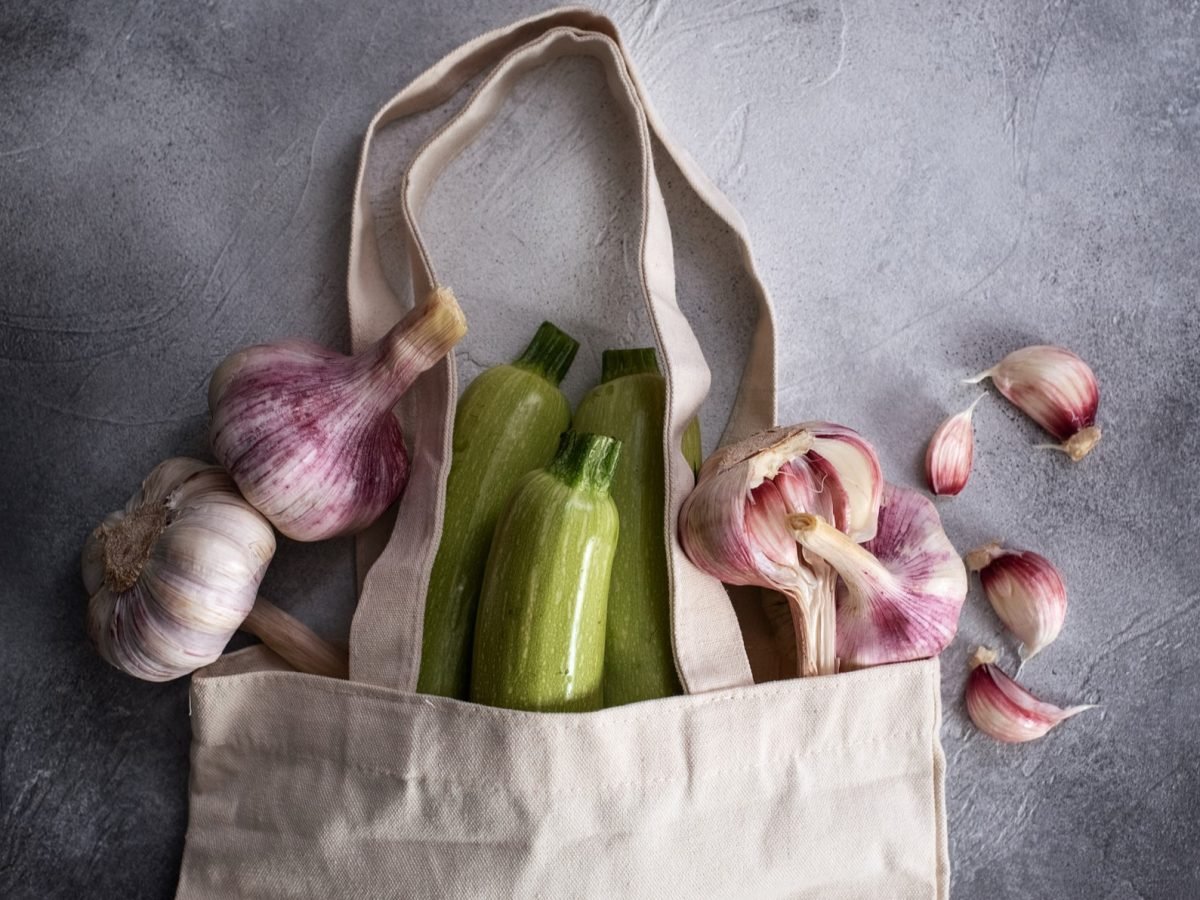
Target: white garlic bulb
[(173, 575)]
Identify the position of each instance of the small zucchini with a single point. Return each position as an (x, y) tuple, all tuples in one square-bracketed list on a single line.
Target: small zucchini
[(629, 404), (507, 424), (539, 638)]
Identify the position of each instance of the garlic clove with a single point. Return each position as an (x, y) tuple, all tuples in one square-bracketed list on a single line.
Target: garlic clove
[(770, 541), (1026, 591), (734, 524), (714, 526), (812, 483), (310, 436), (1003, 709), (172, 576), (1056, 389), (901, 592), (857, 467), (951, 452)]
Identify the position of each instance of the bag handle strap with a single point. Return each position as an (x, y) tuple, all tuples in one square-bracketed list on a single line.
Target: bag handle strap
[(386, 633)]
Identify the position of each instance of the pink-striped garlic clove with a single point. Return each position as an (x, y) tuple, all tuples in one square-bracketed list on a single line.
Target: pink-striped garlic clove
[(310, 435), (1003, 709), (1056, 389), (951, 452), (856, 465), (734, 524), (901, 592), (1026, 591)]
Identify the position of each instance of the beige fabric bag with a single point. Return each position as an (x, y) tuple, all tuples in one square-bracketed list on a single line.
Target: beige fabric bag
[(309, 787)]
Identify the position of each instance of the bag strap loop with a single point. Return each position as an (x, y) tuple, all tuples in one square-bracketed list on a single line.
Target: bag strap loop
[(386, 633)]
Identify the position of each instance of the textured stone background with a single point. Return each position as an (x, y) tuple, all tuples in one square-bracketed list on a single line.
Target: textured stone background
[(929, 185)]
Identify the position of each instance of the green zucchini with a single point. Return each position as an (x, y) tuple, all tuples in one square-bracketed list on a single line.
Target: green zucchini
[(629, 404), (508, 423), (539, 638)]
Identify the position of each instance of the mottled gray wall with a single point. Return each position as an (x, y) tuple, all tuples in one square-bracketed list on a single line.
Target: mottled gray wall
[(928, 185)]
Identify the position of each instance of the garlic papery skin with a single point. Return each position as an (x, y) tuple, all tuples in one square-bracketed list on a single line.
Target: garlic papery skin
[(901, 592), (1026, 591), (310, 436), (734, 524), (951, 452), (1004, 710), (1056, 389), (173, 576)]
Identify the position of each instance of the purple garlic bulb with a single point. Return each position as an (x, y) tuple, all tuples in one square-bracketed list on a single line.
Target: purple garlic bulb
[(900, 592), (310, 436), (735, 524)]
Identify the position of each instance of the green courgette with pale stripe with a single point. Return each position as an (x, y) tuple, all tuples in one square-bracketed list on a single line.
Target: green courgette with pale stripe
[(539, 637), (629, 404), (507, 424)]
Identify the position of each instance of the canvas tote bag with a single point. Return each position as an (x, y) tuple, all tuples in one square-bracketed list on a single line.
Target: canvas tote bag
[(303, 786)]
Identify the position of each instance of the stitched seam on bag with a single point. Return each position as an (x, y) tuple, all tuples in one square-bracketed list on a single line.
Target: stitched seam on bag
[(940, 873), (559, 721), (467, 784)]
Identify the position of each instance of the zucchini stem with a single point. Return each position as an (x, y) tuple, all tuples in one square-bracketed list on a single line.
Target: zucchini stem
[(549, 354), (586, 460), (635, 361)]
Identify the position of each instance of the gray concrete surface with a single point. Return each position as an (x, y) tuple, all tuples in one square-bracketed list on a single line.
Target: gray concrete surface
[(929, 185)]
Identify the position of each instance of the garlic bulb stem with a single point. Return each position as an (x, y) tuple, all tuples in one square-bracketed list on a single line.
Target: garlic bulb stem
[(295, 642), (813, 614), (856, 565), (824, 622), (832, 553), (413, 346)]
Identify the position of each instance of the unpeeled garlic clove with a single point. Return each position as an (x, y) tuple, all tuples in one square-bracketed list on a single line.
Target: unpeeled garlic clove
[(901, 592), (174, 574), (950, 453), (856, 466), (1025, 590), (1056, 389), (734, 524), (310, 435), (1003, 709)]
